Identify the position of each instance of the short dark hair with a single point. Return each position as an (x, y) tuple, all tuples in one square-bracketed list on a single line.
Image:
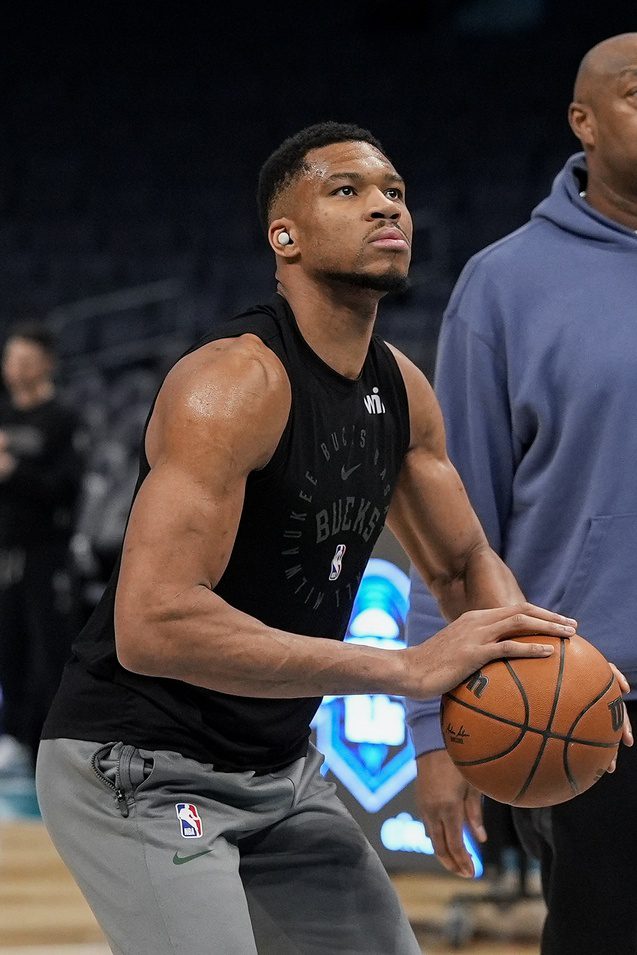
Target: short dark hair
[(288, 160), (38, 332)]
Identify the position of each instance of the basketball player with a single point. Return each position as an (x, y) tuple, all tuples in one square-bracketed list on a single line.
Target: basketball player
[(176, 775), (536, 378)]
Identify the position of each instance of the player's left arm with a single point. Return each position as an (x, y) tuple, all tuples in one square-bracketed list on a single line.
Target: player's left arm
[(433, 519)]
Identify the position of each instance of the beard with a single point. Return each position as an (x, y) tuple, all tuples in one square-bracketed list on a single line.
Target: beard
[(391, 281)]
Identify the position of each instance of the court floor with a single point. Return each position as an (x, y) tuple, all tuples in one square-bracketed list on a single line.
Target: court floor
[(43, 913)]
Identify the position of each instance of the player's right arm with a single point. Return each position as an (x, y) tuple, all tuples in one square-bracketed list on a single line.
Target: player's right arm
[(219, 416)]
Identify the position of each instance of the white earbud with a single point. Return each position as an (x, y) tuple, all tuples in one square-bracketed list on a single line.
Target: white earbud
[(284, 238)]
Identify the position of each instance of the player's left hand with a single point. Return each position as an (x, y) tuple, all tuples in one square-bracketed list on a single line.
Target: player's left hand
[(627, 734)]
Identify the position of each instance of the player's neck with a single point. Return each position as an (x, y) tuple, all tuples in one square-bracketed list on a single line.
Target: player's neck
[(338, 331)]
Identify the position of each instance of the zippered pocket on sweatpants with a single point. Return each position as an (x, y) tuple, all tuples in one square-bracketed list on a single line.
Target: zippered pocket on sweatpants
[(110, 776)]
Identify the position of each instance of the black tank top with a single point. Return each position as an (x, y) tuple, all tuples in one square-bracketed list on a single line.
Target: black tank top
[(309, 523)]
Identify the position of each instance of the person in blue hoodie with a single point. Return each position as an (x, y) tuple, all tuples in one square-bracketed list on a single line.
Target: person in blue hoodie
[(536, 374)]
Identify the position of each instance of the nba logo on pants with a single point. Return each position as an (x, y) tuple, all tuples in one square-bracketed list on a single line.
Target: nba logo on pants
[(191, 827)]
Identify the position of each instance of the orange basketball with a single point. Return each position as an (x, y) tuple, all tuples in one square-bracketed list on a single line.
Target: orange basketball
[(536, 732)]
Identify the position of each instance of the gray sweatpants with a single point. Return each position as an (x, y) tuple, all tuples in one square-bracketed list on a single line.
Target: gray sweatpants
[(174, 857)]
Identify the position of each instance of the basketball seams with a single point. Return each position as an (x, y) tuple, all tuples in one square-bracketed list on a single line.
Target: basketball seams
[(567, 772), (527, 726), (588, 706), (556, 696), (571, 739), (516, 680), (558, 683), (535, 771), (518, 683), (490, 759)]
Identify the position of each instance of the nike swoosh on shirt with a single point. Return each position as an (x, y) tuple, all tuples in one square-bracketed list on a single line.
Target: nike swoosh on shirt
[(345, 472), (179, 860)]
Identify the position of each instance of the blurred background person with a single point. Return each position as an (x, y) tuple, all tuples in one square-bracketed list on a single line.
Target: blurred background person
[(42, 442)]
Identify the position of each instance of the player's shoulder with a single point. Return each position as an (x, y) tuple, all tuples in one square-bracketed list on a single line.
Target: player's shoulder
[(228, 392), (241, 364), (424, 411), (230, 387), (420, 393)]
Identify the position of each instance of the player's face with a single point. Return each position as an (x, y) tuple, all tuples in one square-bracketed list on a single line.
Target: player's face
[(351, 221), (24, 363), (615, 123)]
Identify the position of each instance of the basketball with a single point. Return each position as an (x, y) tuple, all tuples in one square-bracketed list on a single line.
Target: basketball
[(536, 732)]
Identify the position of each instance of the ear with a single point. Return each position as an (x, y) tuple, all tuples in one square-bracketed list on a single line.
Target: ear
[(582, 122), (281, 236)]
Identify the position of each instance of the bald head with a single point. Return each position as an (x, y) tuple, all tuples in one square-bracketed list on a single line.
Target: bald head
[(603, 116), (603, 64)]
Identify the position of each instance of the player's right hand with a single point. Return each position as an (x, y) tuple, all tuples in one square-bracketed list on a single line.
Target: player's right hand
[(446, 802), (474, 639)]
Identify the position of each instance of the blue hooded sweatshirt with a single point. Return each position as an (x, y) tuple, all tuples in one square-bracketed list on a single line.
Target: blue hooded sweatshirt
[(536, 374)]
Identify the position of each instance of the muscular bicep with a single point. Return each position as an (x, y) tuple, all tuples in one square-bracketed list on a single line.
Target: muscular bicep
[(181, 529), (430, 513), (217, 418)]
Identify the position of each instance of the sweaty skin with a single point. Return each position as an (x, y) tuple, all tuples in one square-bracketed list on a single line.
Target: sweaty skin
[(219, 416)]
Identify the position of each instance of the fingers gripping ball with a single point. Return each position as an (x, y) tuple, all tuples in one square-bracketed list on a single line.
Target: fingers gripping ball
[(536, 732)]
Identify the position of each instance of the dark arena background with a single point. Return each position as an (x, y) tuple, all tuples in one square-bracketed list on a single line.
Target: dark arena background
[(130, 143)]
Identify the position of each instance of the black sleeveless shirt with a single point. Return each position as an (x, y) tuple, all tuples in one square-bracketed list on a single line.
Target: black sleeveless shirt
[(309, 523)]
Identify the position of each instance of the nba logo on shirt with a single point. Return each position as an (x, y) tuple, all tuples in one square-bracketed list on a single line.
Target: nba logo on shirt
[(191, 827), (337, 561)]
